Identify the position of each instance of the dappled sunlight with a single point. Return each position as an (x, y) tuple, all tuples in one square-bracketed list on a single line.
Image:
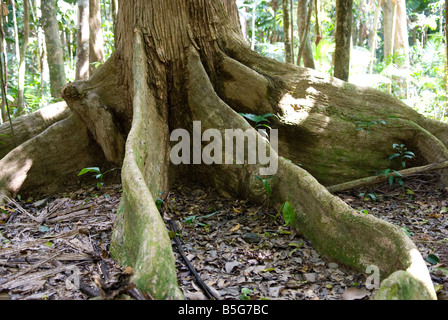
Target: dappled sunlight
[(20, 174), (53, 110)]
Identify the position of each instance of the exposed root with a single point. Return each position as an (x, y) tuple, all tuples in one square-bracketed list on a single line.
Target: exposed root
[(333, 227), (29, 126), (55, 155)]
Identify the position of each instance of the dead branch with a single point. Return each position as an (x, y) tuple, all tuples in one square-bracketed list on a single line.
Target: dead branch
[(368, 181)]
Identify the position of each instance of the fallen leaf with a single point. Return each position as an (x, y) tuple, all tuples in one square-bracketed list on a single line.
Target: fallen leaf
[(354, 294), (231, 265), (235, 228)]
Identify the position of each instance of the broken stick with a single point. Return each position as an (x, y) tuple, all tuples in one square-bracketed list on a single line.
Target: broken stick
[(368, 181)]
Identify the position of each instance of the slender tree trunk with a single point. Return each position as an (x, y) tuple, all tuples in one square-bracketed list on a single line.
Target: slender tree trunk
[(82, 51), (302, 14), (96, 52), (3, 61), (401, 43), (55, 53), (254, 16), (22, 63), (342, 39), (16, 31), (286, 30), (291, 6), (374, 36)]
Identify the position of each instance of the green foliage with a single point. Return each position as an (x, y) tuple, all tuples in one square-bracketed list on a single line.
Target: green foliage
[(402, 153), (97, 174), (193, 220), (392, 176), (245, 294), (265, 184), (288, 213), (368, 195), (260, 121)]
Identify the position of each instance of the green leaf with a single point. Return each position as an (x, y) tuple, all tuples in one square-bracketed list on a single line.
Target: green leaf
[(394, 156), (86, 170), (443, 270), (433, 259), (288, 214), (391, 180), (159, 203)]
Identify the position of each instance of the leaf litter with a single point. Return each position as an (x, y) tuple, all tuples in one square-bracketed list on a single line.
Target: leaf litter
[(239, 250)]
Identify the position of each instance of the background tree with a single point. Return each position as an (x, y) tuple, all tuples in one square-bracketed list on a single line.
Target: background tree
[(287, 31), (55, 54), (343, 39), (22, 63), (304, 19), (83, 44), (96, 52)]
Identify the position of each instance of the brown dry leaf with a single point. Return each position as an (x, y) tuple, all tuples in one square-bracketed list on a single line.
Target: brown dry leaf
[(235, 228), (354, 294)]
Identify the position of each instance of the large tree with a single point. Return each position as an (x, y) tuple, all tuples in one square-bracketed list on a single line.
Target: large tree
[(179, 61)]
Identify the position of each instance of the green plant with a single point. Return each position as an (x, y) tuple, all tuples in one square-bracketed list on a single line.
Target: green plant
[(366, 196), (193, 220), (288, 213), (97, 174), (260, 121), (245, 292), (265, 184), (392, 176), (402, 153)]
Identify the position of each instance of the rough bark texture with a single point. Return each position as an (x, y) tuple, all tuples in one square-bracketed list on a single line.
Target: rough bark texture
[(96, 51), (166, 73), (29, 126), (302, 14), (83, 36), (22, 63), (287, 31), (54, 47), (342, 39)]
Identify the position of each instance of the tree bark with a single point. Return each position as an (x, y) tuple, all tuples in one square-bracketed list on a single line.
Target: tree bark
[(22, 63), (286, 31), (55, 54), (96, 51), (342, 39), (303, 18), (167, 73), (82, 51)]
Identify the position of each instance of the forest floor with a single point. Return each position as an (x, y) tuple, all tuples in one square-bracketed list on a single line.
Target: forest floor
[(57, 247)]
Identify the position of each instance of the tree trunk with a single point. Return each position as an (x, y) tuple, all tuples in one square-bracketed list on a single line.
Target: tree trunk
[(82, 51), (302, 14), (373, 36), (16, 30), (286, 31), (167, 73), (22, 63), (55, 54), (96, 52), (342, 39)]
